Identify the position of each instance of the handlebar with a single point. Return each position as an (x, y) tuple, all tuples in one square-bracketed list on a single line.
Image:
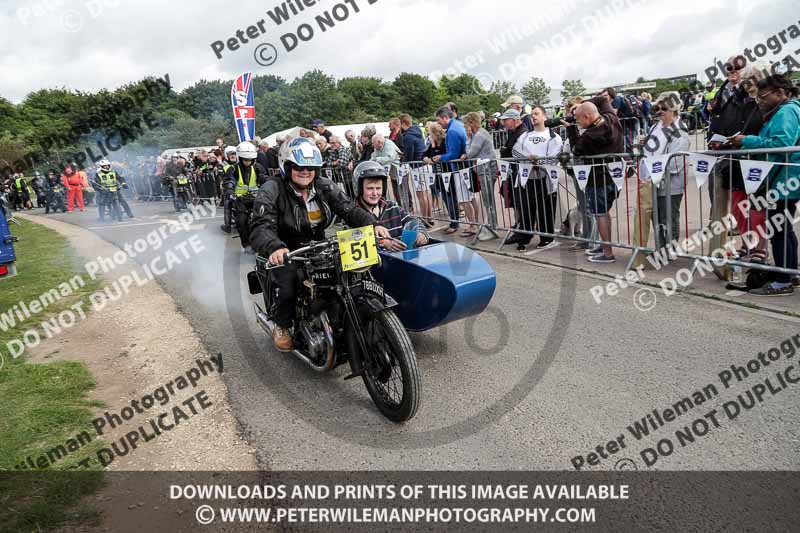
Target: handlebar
[(296, 254)]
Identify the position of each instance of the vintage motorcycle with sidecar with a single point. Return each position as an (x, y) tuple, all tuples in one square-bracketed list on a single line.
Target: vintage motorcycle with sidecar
[(356, 303)]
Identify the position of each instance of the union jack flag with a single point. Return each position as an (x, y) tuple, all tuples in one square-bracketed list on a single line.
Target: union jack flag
[(244, 110)]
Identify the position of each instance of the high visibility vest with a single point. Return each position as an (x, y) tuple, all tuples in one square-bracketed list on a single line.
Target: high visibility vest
[(226, 166), (182, 179), (108, 180), (241, 188), (19, 184), (709, 95)]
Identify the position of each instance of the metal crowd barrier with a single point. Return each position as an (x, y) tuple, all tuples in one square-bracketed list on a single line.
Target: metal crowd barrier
[(342, 176), (525, 197)]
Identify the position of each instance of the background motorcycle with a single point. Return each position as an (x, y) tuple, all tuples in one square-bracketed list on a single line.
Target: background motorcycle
[(346, 316), (108, 199), (183, 192), (56, 199)]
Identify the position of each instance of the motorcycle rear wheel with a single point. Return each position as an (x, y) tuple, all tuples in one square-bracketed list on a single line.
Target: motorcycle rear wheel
[(391, 362)]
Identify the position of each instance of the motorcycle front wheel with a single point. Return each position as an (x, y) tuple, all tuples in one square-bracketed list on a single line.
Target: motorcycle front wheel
[(390, 370)]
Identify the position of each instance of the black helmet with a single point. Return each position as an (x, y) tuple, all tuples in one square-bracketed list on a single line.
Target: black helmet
[(370, 170)]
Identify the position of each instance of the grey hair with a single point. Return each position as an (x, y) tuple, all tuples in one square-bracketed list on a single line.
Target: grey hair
[(670, 99), (759, 71), (445, 112)]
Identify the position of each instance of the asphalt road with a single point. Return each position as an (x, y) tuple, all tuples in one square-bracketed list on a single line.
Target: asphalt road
[(544, 376)]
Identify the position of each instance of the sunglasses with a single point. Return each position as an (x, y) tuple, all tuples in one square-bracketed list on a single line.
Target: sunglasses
[(761, 97), (304, 169), (732, 68)]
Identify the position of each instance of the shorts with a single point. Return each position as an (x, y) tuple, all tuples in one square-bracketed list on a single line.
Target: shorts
[(600, 199)]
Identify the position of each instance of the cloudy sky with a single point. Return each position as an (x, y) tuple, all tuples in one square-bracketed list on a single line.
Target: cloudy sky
[(94, 44)]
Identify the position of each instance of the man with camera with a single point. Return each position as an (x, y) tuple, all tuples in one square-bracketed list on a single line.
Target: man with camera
[(602, 135)]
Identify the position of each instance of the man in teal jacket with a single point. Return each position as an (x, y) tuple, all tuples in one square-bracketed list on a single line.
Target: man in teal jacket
[(777, 100)]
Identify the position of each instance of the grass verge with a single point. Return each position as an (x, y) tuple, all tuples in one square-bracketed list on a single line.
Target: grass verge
[(43, 406)]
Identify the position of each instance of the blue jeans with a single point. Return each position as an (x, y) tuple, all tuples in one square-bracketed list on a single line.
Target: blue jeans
[(784, 240), (452, 203)]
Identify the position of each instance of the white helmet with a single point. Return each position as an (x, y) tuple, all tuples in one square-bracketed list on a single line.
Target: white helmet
[(301, 152), (229, 150), (246, 150), (103, 163)]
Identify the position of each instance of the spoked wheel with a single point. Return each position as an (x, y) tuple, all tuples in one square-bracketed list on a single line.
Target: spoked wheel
[(390, 369)]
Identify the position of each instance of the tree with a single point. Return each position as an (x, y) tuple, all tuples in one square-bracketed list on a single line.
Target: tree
[(640, 79), (416, 95), (503, 89), (177, 128), (370, 95), (314, 96), (536, 91), (205, 98), (572, 88), (461, 85), (268, 83)]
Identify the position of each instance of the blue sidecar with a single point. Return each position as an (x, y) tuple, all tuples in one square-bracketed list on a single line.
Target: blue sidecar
[(436, 284)]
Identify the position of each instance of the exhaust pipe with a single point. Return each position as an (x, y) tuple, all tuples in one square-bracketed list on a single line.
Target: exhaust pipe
[(268, 326)]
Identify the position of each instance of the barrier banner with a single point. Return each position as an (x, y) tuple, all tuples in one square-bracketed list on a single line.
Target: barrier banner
[(754, 173), (427, 170), (525, 170), (656, 166), (582, 175), (415, 175), (466, 177), (617, 170), (703, 164), (553, 175), (505, 167), (446, 178)]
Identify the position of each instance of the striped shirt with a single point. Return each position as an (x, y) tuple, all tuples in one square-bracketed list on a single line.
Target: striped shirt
[(389, 215)]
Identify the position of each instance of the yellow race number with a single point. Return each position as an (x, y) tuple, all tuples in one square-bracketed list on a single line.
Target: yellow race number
[(357, 248)]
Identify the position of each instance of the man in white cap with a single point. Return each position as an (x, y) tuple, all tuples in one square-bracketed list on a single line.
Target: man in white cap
[(516, 102)]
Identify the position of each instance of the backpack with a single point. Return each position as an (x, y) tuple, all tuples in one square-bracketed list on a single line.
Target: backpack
[(635, 104)]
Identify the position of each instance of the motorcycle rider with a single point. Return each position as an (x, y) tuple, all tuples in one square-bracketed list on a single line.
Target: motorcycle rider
[(371, 179), (242, 179), (107, 186), (22, 197), (39, 189), (55, 193), (227, 162), (105, 166), (289, 212), (230, 158), (204, 175)]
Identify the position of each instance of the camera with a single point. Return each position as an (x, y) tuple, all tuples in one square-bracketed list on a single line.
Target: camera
[(556, 122)]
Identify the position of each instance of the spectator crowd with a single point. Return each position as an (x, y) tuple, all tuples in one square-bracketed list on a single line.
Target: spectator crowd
[(467, 171)]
